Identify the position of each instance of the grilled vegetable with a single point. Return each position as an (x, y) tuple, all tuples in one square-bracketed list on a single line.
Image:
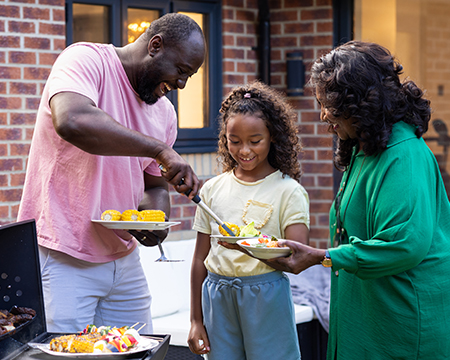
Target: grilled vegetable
[(233, 227), (130, 215), (111, 215), (249, 230), (152, 215)]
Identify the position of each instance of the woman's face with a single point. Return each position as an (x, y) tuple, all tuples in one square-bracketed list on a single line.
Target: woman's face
[(340, 126)]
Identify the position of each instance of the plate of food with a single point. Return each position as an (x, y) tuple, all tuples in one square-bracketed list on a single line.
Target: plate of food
[(98, 343), (136, 225), (263, 248), (241, 232), (135, 220)]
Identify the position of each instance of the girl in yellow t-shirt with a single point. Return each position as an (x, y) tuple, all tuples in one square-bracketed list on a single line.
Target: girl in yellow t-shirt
[(241, 307)]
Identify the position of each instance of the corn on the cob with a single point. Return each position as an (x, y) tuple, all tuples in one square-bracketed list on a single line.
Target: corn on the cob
[(84, 343), (111, 215), (152, 215), (130, 215), (233, 227), (75, 343), (61, 343)]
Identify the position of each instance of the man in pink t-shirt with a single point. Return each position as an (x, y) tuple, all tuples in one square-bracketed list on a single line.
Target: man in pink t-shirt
[(103, 127)]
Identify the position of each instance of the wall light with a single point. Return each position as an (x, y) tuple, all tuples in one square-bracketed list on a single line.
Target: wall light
[(295, 73)]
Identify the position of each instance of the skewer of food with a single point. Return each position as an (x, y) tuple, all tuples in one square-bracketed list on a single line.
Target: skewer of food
[(104, 339), (10, 320)]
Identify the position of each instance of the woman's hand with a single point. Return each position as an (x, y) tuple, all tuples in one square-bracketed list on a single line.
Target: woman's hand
[(301, 258), (198, 339)]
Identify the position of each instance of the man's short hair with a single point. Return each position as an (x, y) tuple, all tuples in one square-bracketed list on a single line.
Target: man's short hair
[(173, 27)]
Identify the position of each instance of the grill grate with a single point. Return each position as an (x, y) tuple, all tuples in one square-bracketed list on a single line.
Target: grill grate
[(181, 353)]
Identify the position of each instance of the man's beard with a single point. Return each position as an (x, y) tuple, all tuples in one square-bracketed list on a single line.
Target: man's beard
[(147, 84)]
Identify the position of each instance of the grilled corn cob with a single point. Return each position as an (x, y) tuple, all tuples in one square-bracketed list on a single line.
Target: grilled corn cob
[(84, 343), (152, 215), (130, 215), (61, 343), (233, 227), (111, 215), (75, 343)]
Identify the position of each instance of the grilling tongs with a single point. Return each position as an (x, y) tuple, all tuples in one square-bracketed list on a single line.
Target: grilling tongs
[(200, 203)]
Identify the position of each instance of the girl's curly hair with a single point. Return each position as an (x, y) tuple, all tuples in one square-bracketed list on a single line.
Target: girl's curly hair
[(360, 80), (268, 104)]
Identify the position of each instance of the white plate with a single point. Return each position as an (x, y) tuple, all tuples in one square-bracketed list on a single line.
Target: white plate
[(144, 345), (264, 252), (136, 225), (231, 239)]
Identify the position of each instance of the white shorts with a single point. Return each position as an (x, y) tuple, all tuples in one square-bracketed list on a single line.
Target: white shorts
[(78, 293)]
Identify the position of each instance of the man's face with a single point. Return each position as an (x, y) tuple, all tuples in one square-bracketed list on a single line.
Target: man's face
[(169, 68)]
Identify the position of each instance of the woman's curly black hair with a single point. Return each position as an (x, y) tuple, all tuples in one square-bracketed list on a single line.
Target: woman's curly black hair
[(265, 102), (360, 80)]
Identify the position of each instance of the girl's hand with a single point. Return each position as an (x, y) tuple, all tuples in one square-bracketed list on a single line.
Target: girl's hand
[(302, 257), (198, 339)]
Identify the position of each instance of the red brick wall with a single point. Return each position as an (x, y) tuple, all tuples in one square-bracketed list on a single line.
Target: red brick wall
[(32, 33)]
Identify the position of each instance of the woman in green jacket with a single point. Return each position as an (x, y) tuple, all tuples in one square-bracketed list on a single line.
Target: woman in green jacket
[(390, 221)]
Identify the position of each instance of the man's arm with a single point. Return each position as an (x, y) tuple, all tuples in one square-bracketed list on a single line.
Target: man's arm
[(78, 121)]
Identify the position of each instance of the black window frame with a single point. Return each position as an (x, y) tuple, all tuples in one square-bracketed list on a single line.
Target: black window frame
[(199, 140), (342, 33)]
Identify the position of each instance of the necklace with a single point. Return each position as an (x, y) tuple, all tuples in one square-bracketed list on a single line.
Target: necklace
[(338, 237)]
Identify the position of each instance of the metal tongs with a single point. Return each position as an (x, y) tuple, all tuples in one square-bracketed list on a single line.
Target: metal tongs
[(200, 203)]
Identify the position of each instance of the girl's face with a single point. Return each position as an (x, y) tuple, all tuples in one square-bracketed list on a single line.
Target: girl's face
[(248, 140), (340, 126)]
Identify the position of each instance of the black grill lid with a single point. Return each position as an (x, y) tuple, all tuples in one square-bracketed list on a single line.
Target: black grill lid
[(20, 281)]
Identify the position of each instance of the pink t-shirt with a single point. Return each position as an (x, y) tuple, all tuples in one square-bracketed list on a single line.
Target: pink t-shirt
[(66, 187)]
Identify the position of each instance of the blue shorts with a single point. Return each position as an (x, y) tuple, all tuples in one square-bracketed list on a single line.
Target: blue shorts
[(250, 318)]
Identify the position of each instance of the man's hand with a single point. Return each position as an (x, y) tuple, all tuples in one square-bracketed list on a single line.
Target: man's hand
[(149, 238), (177, 172)]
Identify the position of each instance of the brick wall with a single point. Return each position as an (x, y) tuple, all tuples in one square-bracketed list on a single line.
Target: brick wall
[(32, 33)]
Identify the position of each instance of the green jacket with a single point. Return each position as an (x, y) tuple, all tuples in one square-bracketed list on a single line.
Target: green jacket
[(390, 286)]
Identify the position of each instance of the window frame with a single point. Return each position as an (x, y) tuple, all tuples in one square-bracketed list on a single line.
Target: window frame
[(342, 32), (198, 140)]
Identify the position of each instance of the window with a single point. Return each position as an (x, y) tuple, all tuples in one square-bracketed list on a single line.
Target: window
[(122, 21)]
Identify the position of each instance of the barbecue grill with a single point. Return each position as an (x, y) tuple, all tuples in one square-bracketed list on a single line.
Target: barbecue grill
[(20, 285)]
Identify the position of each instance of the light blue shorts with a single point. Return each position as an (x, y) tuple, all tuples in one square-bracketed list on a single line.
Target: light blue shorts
[(78, 293), (250, 318)]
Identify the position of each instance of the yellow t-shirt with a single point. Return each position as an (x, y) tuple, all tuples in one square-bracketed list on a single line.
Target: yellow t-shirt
[(273, 203)]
